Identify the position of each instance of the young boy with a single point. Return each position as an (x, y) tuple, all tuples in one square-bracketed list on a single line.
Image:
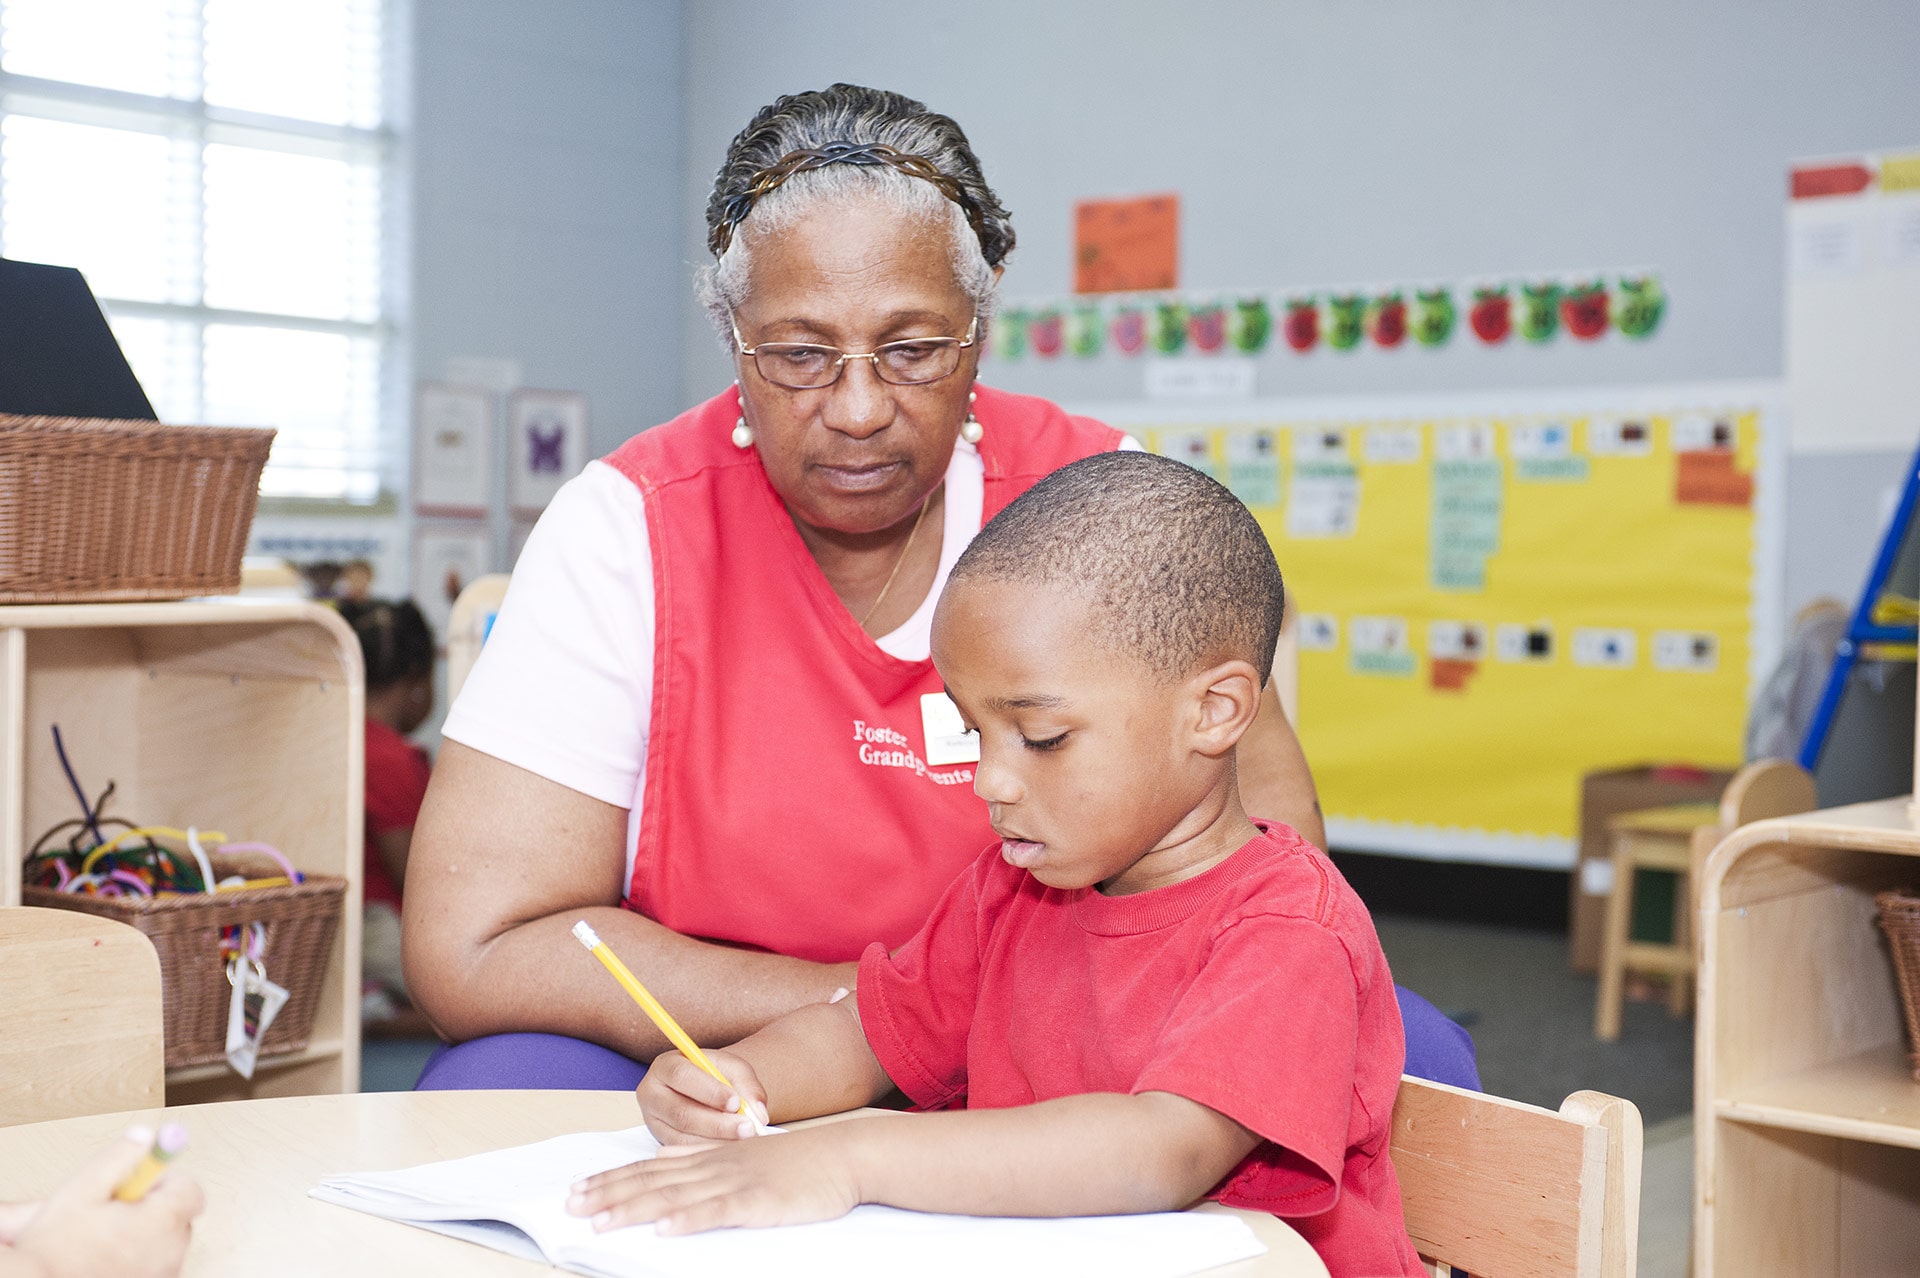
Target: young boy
[(1141, 997)]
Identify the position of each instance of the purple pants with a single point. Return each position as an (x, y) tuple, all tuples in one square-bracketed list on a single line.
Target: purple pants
[(1437, 1050)]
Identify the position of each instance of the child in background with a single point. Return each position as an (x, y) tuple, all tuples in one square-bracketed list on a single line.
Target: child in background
[(1141, 996), (81, 1231), (398, 648)]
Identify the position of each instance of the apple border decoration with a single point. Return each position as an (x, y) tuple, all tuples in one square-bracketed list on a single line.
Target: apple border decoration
[(1521, 312)]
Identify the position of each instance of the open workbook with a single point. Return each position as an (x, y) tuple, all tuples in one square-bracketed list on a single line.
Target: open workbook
[(513, 1200)]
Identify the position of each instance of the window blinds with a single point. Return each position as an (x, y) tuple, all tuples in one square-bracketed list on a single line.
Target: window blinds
[(219, 170)]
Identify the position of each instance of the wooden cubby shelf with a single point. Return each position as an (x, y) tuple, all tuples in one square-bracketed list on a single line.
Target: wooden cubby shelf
[(242, 712), (1806, 1114), (1871, 1097)]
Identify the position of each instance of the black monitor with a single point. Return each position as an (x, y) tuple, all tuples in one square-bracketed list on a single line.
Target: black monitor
[(57, 355)]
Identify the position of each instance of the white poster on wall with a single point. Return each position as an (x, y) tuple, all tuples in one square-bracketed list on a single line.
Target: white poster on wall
[(1853, 304), (309, 540), (446, 559), (452, 450), (546, 446)]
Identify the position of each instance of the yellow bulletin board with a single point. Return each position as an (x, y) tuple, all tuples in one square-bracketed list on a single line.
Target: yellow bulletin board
[(1498, 595)]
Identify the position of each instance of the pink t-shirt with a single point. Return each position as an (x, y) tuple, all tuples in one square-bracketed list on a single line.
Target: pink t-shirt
[(1257, 989)]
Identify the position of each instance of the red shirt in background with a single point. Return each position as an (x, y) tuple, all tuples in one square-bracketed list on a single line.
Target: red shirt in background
[(397, 772), (1257, 989)]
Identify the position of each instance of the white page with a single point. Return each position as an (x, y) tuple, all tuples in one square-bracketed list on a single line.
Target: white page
[(527, 1188)]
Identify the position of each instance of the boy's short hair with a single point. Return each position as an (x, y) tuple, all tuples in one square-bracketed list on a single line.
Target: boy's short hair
[(1178, 572)]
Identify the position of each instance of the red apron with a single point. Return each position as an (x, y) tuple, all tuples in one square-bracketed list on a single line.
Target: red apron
[(788, 804)]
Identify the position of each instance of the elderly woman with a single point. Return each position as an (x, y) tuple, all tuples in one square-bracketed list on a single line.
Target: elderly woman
[(705, 720)]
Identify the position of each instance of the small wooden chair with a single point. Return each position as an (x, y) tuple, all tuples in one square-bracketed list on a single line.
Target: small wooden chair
[(80, 1002), (468, 624), (1495, 1187), (1677, 839)]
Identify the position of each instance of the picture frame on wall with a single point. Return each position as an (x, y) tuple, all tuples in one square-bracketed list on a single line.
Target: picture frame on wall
[(453, 438), (547, 445), (446, 560)]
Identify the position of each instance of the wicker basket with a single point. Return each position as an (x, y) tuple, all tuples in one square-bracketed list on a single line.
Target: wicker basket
[(98, 510), (1900, 918), (185, 930)]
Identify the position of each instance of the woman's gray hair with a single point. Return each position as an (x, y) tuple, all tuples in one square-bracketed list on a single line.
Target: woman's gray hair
[(981, 231)]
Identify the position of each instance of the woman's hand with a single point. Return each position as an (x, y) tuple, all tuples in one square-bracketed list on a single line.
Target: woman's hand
[(683, 1104), (787, 1179), (81, 1231)]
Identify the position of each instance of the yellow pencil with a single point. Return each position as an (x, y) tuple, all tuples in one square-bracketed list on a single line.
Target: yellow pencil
[(584, 933), (170, 1140)]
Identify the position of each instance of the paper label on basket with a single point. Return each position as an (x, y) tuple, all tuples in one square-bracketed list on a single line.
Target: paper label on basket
[(256, 1001)]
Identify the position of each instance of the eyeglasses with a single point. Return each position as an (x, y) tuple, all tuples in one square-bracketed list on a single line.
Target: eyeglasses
[(804, 366)]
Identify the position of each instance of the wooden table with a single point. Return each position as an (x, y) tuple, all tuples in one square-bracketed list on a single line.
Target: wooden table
[(257, 1159)]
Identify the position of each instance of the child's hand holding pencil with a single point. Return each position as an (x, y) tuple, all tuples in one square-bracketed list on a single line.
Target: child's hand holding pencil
[(749, 1110), (89, 1228), (683, 1103)]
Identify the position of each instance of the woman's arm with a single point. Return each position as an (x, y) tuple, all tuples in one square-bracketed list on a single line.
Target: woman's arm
[(503, 863), (1275, 781)]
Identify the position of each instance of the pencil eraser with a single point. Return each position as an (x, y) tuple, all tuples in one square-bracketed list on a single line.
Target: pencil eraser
[(584, 933), (172, 1139)]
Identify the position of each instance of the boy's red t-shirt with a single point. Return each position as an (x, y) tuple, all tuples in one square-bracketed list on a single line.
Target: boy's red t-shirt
[(1257, 989), (397, 774)]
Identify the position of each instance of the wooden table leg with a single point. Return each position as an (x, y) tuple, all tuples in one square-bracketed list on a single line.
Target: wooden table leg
[(1680, 984), (1613, 942)]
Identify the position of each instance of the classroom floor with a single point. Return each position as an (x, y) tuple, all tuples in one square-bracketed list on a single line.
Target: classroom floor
[(392, 1064), (1532, 1022), (1531, 1017)]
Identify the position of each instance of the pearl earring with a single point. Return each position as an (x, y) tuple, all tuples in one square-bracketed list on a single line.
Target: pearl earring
[(971, 430), (742, 434)]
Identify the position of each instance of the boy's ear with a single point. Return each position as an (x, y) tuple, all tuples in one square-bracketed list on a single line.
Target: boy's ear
[(1226, 699)]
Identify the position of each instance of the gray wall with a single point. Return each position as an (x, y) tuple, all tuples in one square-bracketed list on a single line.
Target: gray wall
[(546, 160), (1323, 143), (1838, 505), (562, 155)]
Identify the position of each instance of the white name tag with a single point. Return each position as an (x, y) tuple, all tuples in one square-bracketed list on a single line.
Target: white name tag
[(948, 740)]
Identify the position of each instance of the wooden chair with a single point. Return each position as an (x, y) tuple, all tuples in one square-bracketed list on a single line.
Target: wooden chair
[(1677, 839), (80, 1002), (468, 624), (1495, 1187)]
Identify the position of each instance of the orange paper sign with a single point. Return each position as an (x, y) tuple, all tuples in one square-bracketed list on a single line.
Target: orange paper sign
[(1124, 246), (1710, 479)]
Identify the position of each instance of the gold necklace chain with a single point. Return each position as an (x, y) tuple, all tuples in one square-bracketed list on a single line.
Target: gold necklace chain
[(911, 534)]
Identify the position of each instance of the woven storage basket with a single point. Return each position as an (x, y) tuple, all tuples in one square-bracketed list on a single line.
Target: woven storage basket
[(1900, 917), (97, 510), (185, 930)]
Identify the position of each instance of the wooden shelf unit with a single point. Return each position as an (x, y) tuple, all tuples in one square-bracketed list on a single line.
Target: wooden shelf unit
[(237, 714), (1806, 1111)]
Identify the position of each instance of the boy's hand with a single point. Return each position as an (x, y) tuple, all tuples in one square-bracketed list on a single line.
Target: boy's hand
[(682, 1103), (791, 1179), (80, 1231)]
